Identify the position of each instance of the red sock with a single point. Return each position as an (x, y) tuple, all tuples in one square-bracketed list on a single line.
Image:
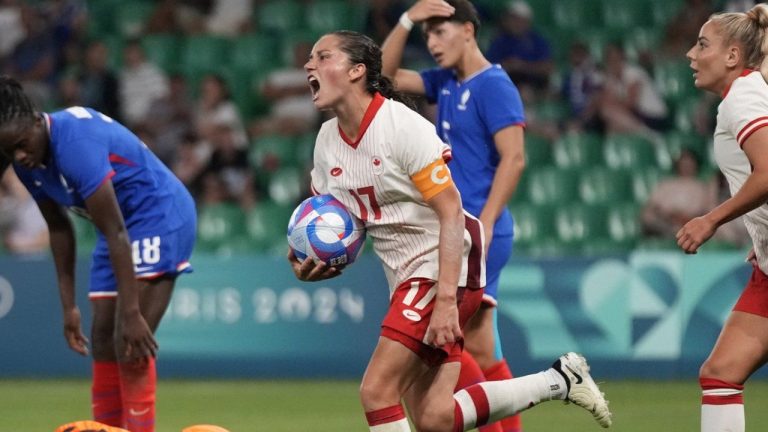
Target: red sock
[(497, 372), (472, 374), (106, 400), (390, 418), (139, 381)]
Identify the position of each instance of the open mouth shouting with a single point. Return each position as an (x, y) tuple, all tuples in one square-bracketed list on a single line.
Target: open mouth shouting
[(314, 86)]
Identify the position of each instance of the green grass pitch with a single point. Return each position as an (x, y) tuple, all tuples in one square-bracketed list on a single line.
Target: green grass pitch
[(326, 406)]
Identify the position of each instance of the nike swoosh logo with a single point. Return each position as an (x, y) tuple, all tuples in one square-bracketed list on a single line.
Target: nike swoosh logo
[(578, 377), (133, 412)]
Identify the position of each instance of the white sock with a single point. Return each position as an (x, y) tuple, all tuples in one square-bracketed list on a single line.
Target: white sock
[(396, 426), (493, 400), (722, 418)]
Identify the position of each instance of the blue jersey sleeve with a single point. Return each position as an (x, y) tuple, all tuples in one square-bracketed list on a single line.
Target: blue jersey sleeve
[(84, 166), (500, 104), (433, 80), (38, 194)]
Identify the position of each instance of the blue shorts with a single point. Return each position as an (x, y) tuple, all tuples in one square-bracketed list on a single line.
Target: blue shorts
[(498, 255), (154, 254)]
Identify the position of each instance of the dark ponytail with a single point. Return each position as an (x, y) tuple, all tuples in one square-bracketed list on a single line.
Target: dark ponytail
[(362, 49), (14, 103)]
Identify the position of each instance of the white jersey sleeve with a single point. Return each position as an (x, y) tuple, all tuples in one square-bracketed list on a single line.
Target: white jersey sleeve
[(743, 111)]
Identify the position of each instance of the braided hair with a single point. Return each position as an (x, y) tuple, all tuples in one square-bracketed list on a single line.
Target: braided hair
[(14, 103), (362, 49)]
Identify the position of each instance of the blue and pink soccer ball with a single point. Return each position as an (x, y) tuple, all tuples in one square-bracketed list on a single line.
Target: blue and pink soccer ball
[(323, 229)]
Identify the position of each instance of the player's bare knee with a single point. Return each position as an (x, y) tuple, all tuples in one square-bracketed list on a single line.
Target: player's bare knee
[(375, 394), (722, 369)]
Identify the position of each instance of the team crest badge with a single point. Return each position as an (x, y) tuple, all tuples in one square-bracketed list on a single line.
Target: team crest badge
[(464, 99), (377, 165)]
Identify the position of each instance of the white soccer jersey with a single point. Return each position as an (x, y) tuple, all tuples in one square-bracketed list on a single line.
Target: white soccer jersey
[(743, 111), (385, 178)]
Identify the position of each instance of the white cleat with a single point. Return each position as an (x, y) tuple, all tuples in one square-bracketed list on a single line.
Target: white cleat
[(582, 389)]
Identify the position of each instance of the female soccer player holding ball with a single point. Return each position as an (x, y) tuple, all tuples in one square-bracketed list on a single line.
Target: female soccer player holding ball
[(384, 162), (725, 59)]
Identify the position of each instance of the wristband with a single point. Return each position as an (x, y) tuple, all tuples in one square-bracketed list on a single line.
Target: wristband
[(405, 21)]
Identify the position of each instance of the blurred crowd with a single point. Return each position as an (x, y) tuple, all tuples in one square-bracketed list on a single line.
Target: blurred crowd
[(250, 144)]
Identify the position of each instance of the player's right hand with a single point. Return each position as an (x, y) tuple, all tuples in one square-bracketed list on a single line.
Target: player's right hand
[(73, 333), (309, 270), (425, 9)]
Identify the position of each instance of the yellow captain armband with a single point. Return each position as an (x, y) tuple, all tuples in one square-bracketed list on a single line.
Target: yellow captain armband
[(432, 179)]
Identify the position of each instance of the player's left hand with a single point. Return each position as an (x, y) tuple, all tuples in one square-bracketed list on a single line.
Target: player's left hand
[(694, 233), (309, 270), (136, 338), (444, 325)]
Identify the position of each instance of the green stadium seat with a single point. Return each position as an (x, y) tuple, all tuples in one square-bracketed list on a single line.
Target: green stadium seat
[(663, 10), (324, 16), (623, 221), (554, 111), (674, 142), (219, 226), (625, 15), (163, 50), (578, 151), (203, 53), (266, 226), (674, 79), (101, 18), (281, 16), (131, 17), (644, 180), (576, 223), (533, 223), (287, 186), (537, 151), (246, 94), (272, 152), (685, 110), (603, 247), (255, 53), (551, 185), (628, 151), (576, 15), (602, 185), (641, 39)]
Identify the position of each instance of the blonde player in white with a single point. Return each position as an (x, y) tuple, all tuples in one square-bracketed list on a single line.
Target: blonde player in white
[(725, 59), (384, 162)]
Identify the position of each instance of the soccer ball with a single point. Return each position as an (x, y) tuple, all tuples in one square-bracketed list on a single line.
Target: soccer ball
[(323, 229)]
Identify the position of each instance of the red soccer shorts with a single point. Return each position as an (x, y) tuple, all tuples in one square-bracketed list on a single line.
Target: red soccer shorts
[(410, 311), (754, 299)]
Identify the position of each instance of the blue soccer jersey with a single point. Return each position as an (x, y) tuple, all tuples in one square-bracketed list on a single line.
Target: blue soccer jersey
[(470, 112), (88, 148)]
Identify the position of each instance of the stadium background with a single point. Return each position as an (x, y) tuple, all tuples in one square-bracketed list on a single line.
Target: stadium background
[(583, 277)]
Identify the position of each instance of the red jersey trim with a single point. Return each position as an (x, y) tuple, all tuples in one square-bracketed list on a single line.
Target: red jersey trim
[(121, 160), (107, 177), (751, 128), (370, 113), (744, 73)]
